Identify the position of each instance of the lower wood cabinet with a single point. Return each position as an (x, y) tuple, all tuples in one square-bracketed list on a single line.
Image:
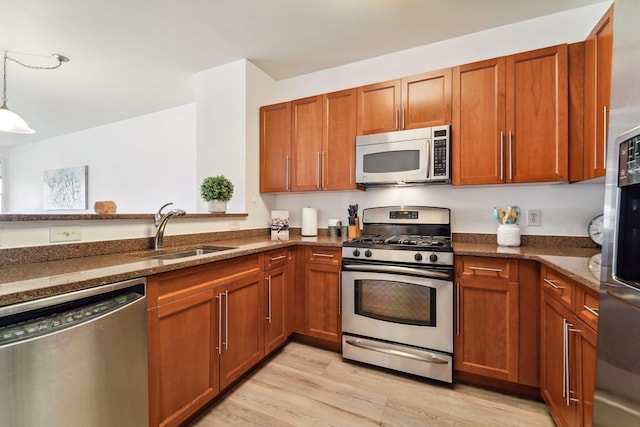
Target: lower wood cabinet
[(277, 299), (206, 328), (497, 320), (321, 294), (568, 350), (241, 335)]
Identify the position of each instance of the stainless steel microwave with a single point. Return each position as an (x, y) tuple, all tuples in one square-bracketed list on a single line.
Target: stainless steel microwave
[(404, 157)]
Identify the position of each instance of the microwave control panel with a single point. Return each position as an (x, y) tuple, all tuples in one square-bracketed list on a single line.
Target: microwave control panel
[(629, 162), (441, 152)]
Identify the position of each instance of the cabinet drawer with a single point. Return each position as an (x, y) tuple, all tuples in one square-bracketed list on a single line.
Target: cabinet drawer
[(324, 255), (276, 258), (471, 267), (559, 286), (587, 306)]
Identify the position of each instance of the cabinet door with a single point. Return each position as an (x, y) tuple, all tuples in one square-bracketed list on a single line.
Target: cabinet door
[(378, 107), (183, 363), (275, 147), (339, 134), (553, 345), (275, 309), (426, 100), (322, 302), (486, 341), (242, 326), (537, 115), (597, 93), (586, 340), (478, 145), (306, 146)]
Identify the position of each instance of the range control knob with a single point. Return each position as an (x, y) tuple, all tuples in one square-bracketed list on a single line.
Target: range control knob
[(418, 257), (433, 257), (356, 252), (367, 253)]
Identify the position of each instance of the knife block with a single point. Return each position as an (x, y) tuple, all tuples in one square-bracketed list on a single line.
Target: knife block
[(354, 230)]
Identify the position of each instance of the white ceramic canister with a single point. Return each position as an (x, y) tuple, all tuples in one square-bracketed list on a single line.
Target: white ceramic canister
[(509, 235)]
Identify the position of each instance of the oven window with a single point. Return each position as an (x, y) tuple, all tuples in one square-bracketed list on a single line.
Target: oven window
[(396, 302), (391, 161)]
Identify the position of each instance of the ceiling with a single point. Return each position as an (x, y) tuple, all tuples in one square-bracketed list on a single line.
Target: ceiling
[(130, 58)]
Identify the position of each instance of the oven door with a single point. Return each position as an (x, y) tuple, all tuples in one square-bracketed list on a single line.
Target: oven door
[(399, 308)]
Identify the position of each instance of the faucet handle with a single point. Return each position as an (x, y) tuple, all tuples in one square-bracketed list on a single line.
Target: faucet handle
[(158, 217)]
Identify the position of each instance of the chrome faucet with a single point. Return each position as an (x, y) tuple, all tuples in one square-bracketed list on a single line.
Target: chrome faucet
[(161, 223)]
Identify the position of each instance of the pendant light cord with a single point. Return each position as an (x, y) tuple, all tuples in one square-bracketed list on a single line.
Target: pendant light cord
[(59, 58)]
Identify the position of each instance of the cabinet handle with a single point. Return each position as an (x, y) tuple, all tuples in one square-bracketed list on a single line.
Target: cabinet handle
[(340, 294), (565, 360), (226, 320), (322, 255), (318, 170), (286, 174), (501, 156), (404, 110), (457, 308), (594, 311), (396, 119), (277, 258), (604, 137), (553, 285), (510, 156), (268, 279), (219, 348), (496, 270), (322, 170)]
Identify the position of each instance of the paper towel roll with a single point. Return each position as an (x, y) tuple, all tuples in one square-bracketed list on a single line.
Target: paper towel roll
[(309, 222)]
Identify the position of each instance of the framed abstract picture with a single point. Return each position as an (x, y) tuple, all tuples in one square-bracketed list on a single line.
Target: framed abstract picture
[(65, 189)]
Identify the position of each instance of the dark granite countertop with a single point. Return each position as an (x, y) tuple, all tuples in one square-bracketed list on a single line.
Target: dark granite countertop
[(27, 281)]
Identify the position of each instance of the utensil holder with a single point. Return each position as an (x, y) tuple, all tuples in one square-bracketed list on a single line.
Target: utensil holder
[(354, 230), (508, 235)]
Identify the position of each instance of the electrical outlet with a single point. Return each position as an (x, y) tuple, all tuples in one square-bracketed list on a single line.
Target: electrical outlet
[(534, 217), (234, 225), (64, 234)]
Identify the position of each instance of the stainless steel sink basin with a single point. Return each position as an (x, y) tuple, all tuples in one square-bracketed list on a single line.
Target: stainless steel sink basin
[(192, 252)]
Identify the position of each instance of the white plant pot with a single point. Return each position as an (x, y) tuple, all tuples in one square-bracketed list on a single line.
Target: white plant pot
[(216, 206)]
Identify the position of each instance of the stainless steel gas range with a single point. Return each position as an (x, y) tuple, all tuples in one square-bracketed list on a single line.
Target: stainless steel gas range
[(397, 291)]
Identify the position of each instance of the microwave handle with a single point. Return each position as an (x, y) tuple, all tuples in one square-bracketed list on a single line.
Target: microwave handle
[(429, 159)]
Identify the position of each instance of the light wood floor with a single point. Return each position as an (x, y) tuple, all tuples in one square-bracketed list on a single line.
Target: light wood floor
[(306, 386)]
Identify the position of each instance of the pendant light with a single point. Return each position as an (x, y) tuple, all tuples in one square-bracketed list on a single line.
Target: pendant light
[(10, 121)]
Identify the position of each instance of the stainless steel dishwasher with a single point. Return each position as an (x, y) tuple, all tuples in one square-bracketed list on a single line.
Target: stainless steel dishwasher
[(77, 359)]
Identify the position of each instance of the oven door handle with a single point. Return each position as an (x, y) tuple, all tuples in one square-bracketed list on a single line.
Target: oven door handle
[(430, 359), (397, 269)]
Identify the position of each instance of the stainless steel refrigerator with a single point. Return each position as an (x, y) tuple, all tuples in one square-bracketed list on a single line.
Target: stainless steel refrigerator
[(617, 394)]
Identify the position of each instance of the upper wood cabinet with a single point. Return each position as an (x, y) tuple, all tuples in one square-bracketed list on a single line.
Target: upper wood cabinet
[(306, 143), (339, 135), (597, 93), (478, 149), (309, 144), (275, 147), (510, 119), (413, 102)]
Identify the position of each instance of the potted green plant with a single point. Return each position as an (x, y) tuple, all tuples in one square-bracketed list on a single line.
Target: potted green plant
[(216, 191)]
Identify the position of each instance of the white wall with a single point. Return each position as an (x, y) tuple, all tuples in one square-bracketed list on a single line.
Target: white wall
[(140, 163)]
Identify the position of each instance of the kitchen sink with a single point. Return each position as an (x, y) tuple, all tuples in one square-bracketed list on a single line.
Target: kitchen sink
[(204, 250)]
